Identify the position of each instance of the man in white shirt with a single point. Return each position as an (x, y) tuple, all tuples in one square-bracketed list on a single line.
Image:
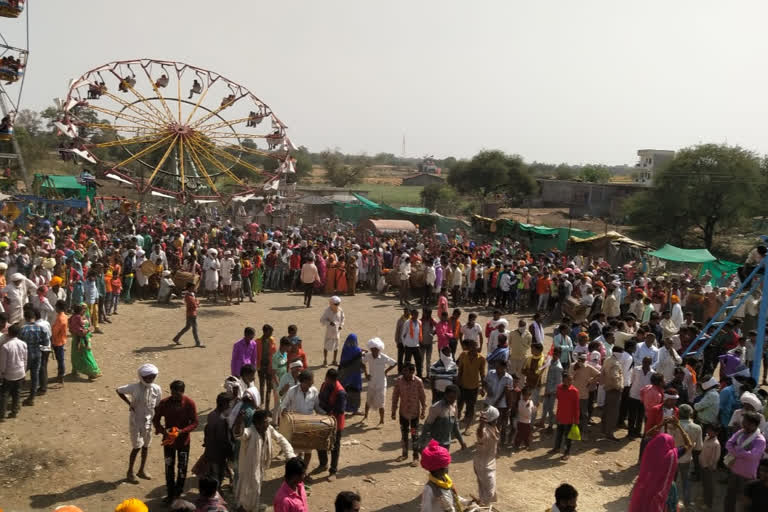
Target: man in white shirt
[(471, 331), (641, 377), (666, 360), (13, 367), (410, 336), (647, 349), (301, 398), (404, 274)]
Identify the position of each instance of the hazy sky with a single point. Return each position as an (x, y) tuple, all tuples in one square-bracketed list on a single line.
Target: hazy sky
[(555, 81)]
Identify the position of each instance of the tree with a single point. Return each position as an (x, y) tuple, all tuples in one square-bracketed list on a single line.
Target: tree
[(339, 173), (493, 172), (439, 197), (29, 120), (595, 173), (703, 190), (303, 163), (565, 172)]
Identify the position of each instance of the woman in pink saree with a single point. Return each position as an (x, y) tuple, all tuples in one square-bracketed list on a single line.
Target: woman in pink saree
[(657, 474), (321, 268)]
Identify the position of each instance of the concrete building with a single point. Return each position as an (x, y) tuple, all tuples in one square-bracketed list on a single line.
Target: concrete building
[(604, 200), (423, 178), (649, 161)]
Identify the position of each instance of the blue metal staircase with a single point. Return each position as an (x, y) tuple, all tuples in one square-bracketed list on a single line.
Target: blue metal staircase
[(728, 309)]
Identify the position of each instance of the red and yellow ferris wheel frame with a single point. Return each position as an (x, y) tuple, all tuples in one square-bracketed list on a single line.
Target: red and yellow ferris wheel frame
[(179, 129)]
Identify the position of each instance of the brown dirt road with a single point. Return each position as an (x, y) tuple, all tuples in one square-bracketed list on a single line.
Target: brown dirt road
[(72, 446)]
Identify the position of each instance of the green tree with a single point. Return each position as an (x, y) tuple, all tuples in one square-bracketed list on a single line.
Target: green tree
[(703, 190), (440, 197), (493, 172), (303, 162), (595, 173), (565, 172), (339, 173)]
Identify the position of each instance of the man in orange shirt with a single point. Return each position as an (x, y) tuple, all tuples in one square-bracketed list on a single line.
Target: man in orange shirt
[(543, 286), (59, 338)]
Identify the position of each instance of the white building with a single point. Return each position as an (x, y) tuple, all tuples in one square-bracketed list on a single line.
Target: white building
[(650, 161)]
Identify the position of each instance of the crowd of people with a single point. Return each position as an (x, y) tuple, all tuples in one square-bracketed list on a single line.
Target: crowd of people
[(631, 362)]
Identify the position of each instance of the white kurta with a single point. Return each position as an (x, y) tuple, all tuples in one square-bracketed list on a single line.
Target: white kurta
[(376, 395), (144, 397), (226, 271), (331, 340), (211, 267), (254, 459), (141, 279)]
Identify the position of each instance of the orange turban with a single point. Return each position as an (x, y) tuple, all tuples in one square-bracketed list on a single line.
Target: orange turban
[(55, 281), (675, 299), (68, 508), (132, 505)]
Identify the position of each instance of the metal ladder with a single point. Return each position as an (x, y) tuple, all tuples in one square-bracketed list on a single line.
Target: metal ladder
[(728, 309)]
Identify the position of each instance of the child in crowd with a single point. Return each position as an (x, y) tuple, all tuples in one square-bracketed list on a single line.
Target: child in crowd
[(525, 408)]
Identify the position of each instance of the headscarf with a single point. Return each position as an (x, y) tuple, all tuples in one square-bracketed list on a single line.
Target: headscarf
[(657, 472), (435, 457), (350, 376), (132, 505), (448, 362)]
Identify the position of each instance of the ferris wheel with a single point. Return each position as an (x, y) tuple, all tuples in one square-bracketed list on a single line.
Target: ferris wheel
[(174, 130), (13, 64)]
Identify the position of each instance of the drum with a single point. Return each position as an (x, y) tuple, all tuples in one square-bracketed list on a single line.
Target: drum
[(148, 268), (181, 278), (574, 310), (308, 432)]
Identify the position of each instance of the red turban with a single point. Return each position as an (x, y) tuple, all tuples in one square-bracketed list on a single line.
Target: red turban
[(435, 457)]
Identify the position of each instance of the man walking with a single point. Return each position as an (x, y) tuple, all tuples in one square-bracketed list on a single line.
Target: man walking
[(192, 305), (180, 416), (409, 395), (411, 339), (613, 383), (309, 274)]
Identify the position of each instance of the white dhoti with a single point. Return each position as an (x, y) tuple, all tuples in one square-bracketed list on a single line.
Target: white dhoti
[(376, 396), (140, 432), (331, 343)]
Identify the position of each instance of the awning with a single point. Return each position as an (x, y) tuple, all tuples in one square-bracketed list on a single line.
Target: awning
[(365, 201), (672, 253)]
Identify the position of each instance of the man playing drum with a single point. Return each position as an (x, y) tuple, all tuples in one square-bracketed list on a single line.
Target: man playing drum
[(302, 399)]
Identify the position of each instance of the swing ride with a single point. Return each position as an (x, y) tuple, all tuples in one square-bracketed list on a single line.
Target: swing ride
[(174, 130)]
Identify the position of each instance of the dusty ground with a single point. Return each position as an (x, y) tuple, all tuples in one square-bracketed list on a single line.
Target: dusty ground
[(72, 446)]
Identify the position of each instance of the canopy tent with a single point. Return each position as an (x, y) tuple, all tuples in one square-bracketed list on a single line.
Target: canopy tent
[(384, 226), (672, 253), (716, 269), (368, 209), (538, 238), (54, 186), (614, 247), (414, 209)]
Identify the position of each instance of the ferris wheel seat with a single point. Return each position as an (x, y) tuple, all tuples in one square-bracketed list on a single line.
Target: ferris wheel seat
[(10, 75), (6, 136), (9, 11)]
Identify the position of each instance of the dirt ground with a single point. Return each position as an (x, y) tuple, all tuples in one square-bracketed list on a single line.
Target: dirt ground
[(72, 446)]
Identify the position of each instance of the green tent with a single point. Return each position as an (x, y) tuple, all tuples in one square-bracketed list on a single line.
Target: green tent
[(50, 185), (717, 267), (413, 209), (672, 253)]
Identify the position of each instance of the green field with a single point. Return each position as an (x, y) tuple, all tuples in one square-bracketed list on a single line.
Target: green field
[(393, 195)]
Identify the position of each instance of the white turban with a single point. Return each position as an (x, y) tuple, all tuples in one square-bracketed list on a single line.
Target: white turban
[(376, 343), (296, 364), (709, 384), (146, 370), (748, 398), (17, 277), (213, 252), (490, 414), (336, 300)]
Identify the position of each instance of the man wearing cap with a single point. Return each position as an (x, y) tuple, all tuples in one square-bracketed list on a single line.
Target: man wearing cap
[(144, 397), (290, 379), (708, 405), (166, 287)]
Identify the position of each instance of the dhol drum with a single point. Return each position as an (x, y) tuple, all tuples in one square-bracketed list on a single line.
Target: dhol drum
[(181, 278), (308, 432), (575, 311), (148, 268)]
